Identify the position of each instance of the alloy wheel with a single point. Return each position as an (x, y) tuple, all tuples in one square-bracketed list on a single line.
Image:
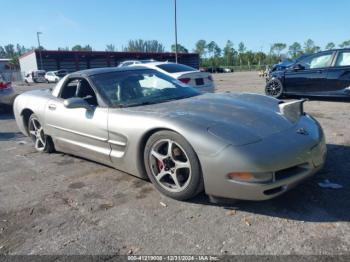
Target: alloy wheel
[(37, 134), (273, 89), (170, 165)]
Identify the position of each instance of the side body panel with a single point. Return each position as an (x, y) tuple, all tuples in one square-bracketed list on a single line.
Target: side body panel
[(78, 131), (305, 81)]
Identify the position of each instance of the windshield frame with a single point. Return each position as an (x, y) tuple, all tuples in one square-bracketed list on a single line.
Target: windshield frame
[(189, 91)]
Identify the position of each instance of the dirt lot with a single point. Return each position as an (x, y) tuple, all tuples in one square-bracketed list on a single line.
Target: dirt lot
[(59, 204)]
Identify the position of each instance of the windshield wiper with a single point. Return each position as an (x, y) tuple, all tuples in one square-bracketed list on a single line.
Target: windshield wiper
[(153, 102), (138, 104)]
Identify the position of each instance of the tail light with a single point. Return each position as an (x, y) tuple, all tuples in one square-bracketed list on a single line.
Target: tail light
[(210, 78), (4, 85), (185, 80)]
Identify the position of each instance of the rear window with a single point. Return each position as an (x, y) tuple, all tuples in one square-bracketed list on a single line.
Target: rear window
[(176, 68)]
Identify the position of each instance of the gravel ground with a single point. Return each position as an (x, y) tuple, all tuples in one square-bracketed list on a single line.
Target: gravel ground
[(59, 204)]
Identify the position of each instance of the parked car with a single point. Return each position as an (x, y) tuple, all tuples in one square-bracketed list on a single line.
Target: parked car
[(7, 94), (146, 123), (35, 76), (135, 62), (325, 73), (55, 76), (202, 81), (218, 69)]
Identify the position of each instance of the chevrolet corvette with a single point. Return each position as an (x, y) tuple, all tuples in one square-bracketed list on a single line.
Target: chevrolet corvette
[(150, 125)]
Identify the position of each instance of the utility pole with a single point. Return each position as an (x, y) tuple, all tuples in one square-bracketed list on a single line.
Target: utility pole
[(176, 59), (39, 46)]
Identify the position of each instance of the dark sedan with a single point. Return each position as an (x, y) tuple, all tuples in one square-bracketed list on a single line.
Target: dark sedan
[(323, 74)]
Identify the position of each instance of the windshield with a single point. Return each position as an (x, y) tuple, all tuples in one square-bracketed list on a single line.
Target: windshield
[(175, 68), (140, 87)]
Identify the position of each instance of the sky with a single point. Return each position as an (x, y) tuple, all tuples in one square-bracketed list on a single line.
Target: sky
[(258, 23)]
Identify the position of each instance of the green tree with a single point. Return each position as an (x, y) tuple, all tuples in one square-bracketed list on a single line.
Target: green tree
[(20, 49), (229, 53), (214, 52), (180, 48), (87, 48), (249, 56), (295, 50), (2, 52), (211, 47), (310, 47), (81, 48), (145, 46), (345, 44), (110, 48), (277, 48), (200, 49), (330, 46), (260, 57), (77, 48), (10, 50), (241, 51)]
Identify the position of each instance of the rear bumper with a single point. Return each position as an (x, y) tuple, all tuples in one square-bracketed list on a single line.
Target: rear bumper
[(289, 157), (206, 89), (6, 96)]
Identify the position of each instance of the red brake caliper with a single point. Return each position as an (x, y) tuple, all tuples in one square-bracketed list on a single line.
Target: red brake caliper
[(160, 165)]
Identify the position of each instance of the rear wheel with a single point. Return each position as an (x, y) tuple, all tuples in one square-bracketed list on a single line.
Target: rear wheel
[(274, 88), (42, 142), (173, 166)]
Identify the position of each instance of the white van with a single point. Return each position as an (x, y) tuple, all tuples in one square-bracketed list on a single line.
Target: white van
[(35, 76)]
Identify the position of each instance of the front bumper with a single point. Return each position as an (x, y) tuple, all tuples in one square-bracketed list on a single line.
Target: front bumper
[(288, 156)]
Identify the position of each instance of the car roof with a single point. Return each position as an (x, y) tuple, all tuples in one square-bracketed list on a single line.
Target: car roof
[(103, 70), (331, 50)]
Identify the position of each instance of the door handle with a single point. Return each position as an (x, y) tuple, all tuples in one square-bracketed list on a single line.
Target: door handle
[(52, 107)]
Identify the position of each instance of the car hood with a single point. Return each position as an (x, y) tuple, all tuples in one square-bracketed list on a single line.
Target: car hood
[(236, 118)]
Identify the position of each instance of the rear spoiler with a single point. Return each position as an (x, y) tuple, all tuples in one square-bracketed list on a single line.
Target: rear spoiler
[(293, 110)]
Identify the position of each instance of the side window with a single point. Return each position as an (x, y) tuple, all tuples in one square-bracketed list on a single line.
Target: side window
[(317, 61), (70, 89), (85, 91), (79, 88), (343, 59)]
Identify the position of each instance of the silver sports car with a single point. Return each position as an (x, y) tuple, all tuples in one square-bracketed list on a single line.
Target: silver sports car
[(140, 121)]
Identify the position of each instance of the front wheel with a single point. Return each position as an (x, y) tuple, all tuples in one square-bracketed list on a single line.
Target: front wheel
[(42, 142), (274, 88), (173, 166)]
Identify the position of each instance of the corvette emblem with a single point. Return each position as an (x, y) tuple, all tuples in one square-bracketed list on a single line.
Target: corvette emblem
[(302, 131)]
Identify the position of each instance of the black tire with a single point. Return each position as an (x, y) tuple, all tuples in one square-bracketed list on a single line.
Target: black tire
[(194, 182), (274, 88), (48, 146)]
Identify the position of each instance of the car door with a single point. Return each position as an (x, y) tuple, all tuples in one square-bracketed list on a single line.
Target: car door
[(79, 131), (309, 76), (338, 80)]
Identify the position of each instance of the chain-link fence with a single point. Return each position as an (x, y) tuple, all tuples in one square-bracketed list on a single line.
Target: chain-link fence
[(247, 68)]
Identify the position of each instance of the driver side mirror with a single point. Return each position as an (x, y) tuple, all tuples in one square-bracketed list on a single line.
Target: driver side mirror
[(77, 102), (298, 67)]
